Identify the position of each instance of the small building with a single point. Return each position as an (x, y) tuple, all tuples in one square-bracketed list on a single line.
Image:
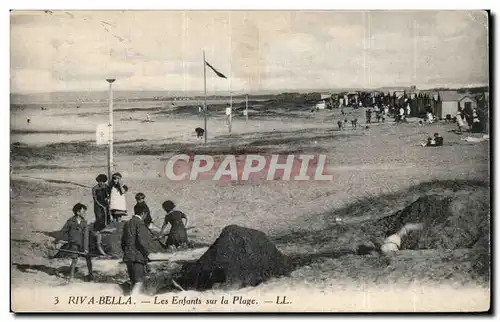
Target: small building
[(467, 103), (447, 104), (450, 102), (352, 98), (321, 105)]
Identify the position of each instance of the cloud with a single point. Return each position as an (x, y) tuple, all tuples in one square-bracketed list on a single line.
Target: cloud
[(256, 49)]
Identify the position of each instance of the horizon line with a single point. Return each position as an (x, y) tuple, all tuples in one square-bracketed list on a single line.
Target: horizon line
[(256, 92)]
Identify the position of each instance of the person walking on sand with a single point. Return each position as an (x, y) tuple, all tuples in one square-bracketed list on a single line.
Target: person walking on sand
[(178, 235), (460, 123), (401, 114), (76, 233), (117, 200), (134, 247)]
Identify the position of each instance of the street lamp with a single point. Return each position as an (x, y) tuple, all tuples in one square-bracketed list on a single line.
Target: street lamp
[(110, 125)]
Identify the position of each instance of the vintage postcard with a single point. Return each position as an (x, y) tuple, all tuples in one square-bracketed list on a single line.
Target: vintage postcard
[(250, 161)]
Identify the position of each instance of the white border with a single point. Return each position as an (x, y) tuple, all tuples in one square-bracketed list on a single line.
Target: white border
[(188, 4)]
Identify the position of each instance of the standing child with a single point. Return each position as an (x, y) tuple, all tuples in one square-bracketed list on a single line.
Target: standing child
[(460, 122), (148, 219), (100, 196), (117, 200), (134, 246), (178, 234), (76, 233)]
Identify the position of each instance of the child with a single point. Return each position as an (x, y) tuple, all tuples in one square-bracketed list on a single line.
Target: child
[(148, 219), (76, 233), (438, 139), (117, 201), (199, 133), (133, 243), (100, 196), (460, 122), (178, 234)]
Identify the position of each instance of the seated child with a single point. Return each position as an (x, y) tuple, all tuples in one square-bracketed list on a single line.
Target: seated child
[(438, 139)]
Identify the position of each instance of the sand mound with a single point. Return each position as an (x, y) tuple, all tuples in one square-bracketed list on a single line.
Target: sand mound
[(449, 222), (239, 257)]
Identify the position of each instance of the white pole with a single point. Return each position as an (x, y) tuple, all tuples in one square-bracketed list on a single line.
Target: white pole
[(110, 125), (246, 109), (205, 85), (231, 110)]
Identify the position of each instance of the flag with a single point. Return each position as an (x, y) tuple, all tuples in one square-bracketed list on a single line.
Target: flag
[(215, 71)]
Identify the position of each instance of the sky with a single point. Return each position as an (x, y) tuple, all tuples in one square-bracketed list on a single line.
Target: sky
[(257, 50)]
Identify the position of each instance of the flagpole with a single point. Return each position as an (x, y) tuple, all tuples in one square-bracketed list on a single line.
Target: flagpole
[(110, 127), (231, 110), (246, 108), (205, 85)]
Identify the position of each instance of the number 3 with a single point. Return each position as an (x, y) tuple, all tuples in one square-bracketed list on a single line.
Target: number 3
[(57, 300)]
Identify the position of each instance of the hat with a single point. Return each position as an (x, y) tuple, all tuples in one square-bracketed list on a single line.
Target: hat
[(140, 195)]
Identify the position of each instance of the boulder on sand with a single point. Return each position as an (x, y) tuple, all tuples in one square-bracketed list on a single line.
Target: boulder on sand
[(239, 257)]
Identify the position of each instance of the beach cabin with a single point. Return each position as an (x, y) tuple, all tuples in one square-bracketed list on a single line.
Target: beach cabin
[(321, 105), (467, 103), (447, 104)]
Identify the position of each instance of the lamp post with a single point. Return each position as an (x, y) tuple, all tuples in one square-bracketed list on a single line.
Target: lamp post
[(110, 125)]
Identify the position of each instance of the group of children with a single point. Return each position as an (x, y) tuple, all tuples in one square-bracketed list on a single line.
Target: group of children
[(437, 140), (110, 206), (109, 200)]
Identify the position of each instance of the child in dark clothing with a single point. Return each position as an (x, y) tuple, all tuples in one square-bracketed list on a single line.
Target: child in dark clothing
[(148, 219), (76, 233), (134, 246), (438, 139), (101, 198), (178, 234), (140, 199)]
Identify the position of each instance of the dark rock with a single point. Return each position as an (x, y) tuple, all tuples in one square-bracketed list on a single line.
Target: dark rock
[(239, 257)]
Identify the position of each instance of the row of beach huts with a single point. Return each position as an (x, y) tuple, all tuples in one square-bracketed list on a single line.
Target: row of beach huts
[(440, 103)]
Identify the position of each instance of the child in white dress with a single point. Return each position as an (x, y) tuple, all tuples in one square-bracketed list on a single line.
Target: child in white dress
[(117, 200)]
